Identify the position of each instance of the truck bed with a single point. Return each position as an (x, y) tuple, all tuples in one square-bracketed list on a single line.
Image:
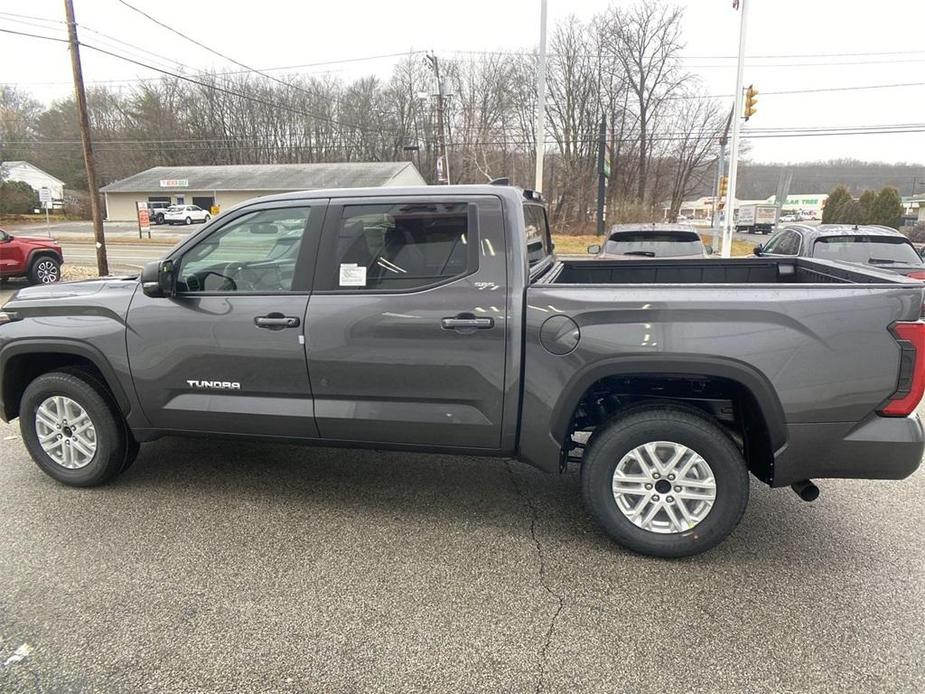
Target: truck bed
[(716, 271)]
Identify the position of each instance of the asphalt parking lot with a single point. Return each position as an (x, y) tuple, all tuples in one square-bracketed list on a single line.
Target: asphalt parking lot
[(217, 566)]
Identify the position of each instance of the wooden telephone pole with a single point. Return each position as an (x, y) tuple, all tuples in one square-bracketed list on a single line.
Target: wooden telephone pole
[(444, 171), (102, 264)]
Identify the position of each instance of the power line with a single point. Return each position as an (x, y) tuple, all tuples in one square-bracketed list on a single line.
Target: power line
[(280, 106), (250, 142), (527, 51), (224, 56)]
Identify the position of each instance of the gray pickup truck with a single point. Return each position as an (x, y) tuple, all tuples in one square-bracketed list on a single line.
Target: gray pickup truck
[(439, 319)]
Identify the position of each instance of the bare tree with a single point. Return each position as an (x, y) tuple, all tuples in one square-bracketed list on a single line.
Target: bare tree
[(695, 129), (645, 40)]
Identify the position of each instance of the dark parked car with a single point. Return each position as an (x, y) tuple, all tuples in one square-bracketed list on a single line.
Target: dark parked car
[(37, 258), (436, 318), (651, 241), (867, 244)]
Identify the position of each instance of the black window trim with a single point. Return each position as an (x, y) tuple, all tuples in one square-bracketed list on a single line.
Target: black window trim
[(305, 263), (328, 246)]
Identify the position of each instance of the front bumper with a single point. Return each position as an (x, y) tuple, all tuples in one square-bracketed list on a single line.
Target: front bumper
[(881, 448)]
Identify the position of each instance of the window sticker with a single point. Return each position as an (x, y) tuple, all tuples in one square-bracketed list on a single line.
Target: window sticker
[(352, 275)]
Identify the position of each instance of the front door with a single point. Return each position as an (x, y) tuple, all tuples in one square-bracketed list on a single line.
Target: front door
[(204, 202), (227, 354), (408, 322)]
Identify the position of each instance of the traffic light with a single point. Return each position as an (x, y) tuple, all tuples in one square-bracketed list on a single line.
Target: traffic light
[(723, 186), (750, 101)]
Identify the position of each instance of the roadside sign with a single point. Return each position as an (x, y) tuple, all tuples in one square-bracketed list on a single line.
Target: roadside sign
[(45, 196), (214, 210), (144, 220)]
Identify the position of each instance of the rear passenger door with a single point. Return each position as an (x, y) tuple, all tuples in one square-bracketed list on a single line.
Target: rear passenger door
[(407, 323)]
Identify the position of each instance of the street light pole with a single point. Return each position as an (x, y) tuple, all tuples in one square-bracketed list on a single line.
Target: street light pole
[(541, 101), (729, 226)]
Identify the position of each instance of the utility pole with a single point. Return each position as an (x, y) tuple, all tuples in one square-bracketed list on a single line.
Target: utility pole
[(729, 226), (102, 264), (601, 175), (541, 101), (443, 169), (720, 171)]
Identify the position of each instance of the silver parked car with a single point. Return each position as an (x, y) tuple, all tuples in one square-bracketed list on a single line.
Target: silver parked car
[(632, 241)]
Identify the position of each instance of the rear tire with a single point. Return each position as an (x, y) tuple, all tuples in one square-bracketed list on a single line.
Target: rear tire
[(113, 448), (45, 270), (615, 498), (189, 221)]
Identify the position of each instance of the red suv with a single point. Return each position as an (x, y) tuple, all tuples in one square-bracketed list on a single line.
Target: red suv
[(24, 256)]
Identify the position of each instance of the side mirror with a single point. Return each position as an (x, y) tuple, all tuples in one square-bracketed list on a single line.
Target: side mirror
[(594, 249), (158, 279), (758, 249)]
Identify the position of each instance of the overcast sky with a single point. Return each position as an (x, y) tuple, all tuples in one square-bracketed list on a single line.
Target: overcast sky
[(273, 33)]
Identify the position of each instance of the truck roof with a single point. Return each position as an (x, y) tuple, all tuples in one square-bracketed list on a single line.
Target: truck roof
[(513, 192), (651, 226), (827, 230)]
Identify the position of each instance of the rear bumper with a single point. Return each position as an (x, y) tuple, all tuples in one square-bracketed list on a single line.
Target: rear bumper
[(882, 448)]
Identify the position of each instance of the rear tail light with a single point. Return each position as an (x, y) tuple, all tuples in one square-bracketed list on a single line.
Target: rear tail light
[(916, 275), (911, 385)]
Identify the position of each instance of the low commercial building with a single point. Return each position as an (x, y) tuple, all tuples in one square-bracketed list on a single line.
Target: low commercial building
[(809, 204), (226, 186)]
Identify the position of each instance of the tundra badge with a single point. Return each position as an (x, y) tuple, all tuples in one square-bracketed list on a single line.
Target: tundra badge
[(215, 385)]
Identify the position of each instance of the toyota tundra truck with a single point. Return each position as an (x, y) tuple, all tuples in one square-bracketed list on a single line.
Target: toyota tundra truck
[(439, 319)]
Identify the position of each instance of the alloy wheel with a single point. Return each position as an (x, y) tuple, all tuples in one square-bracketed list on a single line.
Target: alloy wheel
[(664, 487), (65, 432), (47, 272)]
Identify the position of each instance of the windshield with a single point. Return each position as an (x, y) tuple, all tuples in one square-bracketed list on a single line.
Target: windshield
[(873, 250), (654, 244)]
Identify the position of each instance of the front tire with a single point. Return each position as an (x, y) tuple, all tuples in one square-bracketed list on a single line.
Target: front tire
[(45, 270), (73, 429), (189, 221), (664, 481), (205, 220)]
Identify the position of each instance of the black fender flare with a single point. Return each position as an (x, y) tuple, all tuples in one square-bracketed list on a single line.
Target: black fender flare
[(66, 346), (675, 365), (38, 252)]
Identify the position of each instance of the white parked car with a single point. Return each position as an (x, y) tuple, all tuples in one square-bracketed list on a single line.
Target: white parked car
[(185, 214)]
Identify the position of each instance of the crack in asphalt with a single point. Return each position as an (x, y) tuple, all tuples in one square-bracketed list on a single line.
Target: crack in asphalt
[(541, 555)]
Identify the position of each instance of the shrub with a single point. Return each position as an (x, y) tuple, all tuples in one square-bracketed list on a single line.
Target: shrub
[(17, 197)]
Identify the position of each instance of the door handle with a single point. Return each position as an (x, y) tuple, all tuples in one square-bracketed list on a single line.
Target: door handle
[(276, 321), (467, 323)]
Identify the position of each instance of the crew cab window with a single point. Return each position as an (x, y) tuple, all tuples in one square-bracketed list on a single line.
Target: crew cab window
[(254, 253), (403, 246), (873, 250), (785, 243), (536, 229)]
